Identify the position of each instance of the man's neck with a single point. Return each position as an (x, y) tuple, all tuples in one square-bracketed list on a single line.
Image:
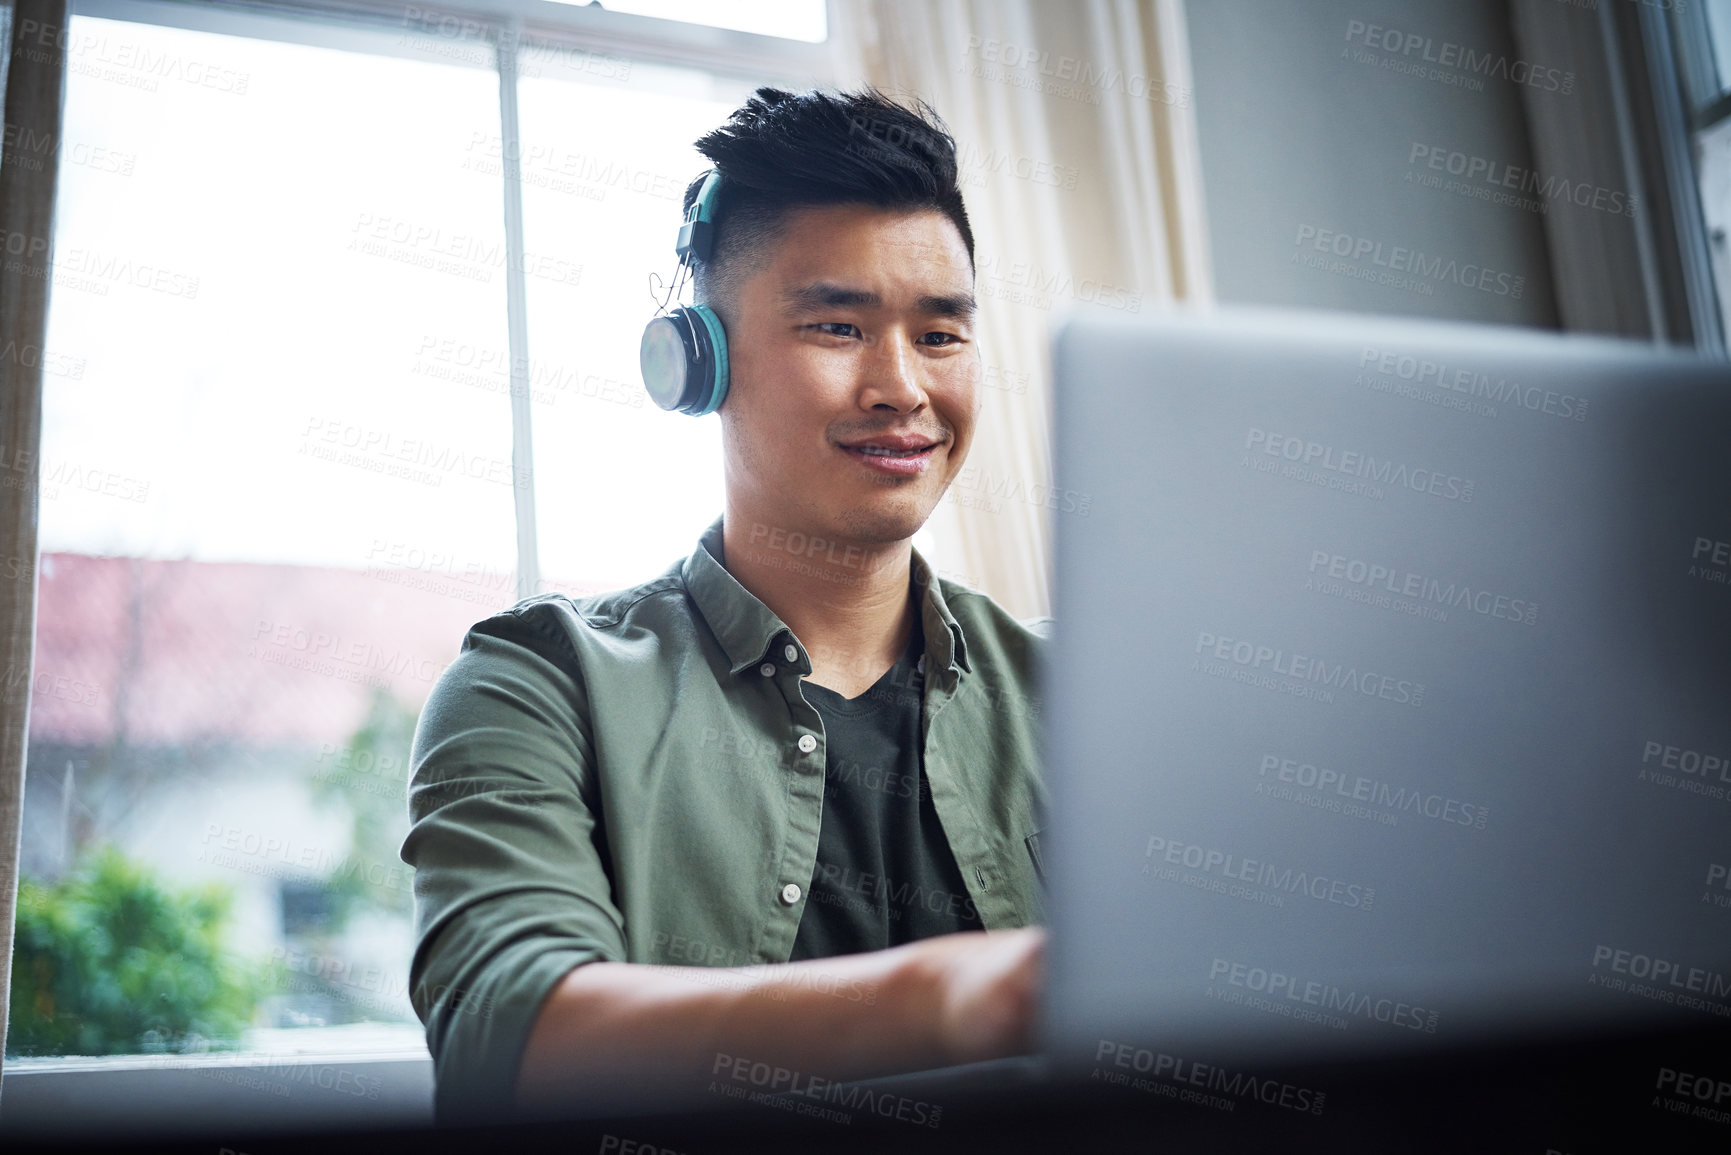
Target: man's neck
[(847, 602)]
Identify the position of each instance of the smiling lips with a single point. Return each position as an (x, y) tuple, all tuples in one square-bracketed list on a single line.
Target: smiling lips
[(897, 454)]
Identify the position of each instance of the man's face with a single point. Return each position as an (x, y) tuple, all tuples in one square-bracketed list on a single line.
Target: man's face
[(854, 374)]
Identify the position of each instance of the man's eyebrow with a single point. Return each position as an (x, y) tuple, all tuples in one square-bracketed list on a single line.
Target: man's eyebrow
[(959, 306), (824, 295)]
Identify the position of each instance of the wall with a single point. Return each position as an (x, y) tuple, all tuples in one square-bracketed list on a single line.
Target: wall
[(1319, 123)]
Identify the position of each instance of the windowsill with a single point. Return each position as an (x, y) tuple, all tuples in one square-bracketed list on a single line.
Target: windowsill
[(362, 1076)]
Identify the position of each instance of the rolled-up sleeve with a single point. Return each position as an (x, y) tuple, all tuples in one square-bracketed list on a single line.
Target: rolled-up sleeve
[(511, 883)]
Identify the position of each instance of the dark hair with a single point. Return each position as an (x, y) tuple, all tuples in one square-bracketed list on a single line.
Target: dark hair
[(781, 151)]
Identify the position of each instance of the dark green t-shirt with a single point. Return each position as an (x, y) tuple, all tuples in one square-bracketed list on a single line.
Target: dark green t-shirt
[(885, 874)]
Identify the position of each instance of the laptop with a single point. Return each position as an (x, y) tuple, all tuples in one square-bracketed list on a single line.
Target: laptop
[(1390, 694)]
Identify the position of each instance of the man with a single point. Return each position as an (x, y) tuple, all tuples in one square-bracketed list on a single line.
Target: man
[(779, 804)]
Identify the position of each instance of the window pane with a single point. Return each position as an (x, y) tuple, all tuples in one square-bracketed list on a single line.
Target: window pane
[(1713, 158), (276, 488), (622, 488), (1719, 31)]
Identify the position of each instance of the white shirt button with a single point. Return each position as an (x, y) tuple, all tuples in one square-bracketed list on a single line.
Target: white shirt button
[(790, 893), (791, 653), (767, 669), (807, 743)]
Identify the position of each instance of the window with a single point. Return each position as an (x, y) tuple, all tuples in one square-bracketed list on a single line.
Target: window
[(1703, 39), (1718, 17), (251, 468), (604, 168), (282, 472)]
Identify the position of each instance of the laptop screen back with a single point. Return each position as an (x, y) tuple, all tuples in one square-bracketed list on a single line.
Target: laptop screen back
[(1391, 686)]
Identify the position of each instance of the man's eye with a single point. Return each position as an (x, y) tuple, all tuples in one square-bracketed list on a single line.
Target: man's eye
[(837, 329), (940, 339)]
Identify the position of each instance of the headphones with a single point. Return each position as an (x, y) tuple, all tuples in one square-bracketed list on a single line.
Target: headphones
[(684, 353)]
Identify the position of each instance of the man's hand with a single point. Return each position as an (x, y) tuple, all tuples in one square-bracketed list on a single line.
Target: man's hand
[(986, 984), (630, 1029)]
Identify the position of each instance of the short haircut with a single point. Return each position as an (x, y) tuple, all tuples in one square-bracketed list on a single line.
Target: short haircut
[(782, 151)]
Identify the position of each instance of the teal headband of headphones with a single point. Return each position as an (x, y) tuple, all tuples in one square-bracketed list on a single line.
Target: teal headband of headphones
[(684, 353)]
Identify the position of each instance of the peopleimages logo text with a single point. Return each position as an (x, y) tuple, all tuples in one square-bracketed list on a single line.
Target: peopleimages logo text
[(1401, 259), (1495, 176), (1357, 788), (1662, 972), (1354, 463), (1308, 668), (1279, 985), (1448, 54), (1257, 872), (1238, 1084), (1473, 383), (1428, 590)]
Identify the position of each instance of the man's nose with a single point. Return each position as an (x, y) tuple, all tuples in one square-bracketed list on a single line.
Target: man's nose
[(892, 377)]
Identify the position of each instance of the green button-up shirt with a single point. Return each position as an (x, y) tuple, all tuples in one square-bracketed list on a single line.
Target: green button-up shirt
[(637, 777)]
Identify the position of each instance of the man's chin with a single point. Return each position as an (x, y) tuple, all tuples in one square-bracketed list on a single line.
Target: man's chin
[(885, 522)]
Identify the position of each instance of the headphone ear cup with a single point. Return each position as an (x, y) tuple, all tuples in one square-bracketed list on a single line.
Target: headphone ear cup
[(683, 358), (713, 375), (667, 358)]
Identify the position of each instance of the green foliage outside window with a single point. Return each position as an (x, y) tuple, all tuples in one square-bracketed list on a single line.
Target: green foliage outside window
[(369, 777), (112, 961)]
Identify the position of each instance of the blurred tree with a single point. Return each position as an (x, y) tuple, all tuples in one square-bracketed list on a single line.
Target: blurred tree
[(112, 961), (369, 778), (366, 780)]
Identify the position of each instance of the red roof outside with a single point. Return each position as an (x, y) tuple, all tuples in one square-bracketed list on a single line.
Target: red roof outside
[(183, 651)]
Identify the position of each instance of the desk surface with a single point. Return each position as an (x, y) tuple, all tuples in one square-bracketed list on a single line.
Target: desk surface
[(1647, 1093)]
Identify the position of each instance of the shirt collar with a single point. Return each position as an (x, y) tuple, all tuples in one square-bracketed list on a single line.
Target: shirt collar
[(746, 628), (945, 645)]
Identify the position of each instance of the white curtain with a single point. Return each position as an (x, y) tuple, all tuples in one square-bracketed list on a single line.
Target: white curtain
[(1077, 137)]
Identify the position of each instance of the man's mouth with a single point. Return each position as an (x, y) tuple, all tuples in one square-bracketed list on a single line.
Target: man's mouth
[(899, 454)]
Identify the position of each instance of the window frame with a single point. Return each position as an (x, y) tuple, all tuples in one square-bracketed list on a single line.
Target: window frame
[(370, 26), (116, 1094), (1689, 98)]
